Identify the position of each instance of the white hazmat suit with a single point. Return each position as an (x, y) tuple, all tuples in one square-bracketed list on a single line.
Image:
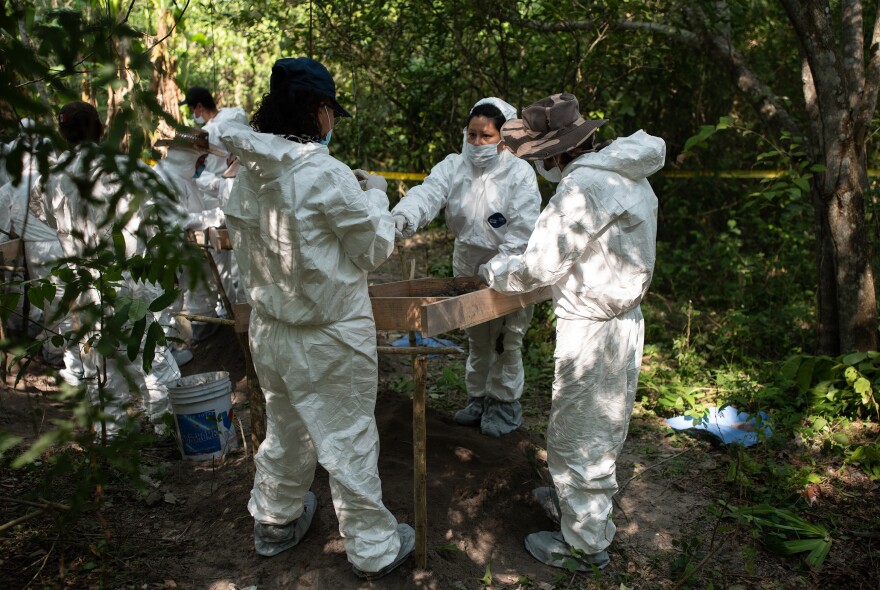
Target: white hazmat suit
[(196, 211), (42, 249), (82, 225), (306, 235), (216, 190), (491, 210), (594, 244)]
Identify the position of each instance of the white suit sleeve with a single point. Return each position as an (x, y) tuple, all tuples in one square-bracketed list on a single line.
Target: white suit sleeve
[(560, 239), (526, 206), (423, 202), (361, 221)]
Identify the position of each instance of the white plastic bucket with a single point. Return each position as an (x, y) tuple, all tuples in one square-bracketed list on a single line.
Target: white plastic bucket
[(202, 406)]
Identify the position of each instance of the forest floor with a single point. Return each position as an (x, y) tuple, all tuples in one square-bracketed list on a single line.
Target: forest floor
[(190, 528)]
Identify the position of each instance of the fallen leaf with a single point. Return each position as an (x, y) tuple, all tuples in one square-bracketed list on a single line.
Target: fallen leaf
[(812, 494)]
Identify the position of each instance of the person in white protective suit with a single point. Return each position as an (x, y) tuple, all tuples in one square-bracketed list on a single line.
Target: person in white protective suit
[(23, 213), (306, 235), (594, 245), (209, 176), (196, 211), (492, 201), (41, 247), (84, 224)]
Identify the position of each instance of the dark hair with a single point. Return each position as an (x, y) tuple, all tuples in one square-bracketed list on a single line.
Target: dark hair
[(78, 122), (588, 145), (199, 95), (489, 111), (292, 116)]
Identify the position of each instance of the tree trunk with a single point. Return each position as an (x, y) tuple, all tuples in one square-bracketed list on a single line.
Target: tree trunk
[(168, 94), (842, 203), (839, 94), (116, 96), (827, 324)]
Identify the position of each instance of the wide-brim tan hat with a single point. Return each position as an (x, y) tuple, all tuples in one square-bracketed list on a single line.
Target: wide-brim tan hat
[(549, 127), (194, 139)]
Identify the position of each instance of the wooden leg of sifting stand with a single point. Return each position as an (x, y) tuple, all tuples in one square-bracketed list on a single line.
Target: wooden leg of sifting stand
[(256, 399), (420, 460)]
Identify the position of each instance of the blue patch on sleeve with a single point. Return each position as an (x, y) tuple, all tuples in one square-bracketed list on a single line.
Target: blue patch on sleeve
[(496, 220)]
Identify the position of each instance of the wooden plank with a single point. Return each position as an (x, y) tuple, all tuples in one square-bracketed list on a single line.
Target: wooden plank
[(218, 237), (427, 287), (436, 305), (400, 313), (476, 308), (11, 250), (242, 318)]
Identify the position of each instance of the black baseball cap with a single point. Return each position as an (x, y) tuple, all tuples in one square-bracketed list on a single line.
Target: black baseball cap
[(196, 95), (303, 72)]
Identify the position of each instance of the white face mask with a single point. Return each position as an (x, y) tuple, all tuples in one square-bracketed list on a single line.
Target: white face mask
[(553, 175), (199, 120), (481, 156)]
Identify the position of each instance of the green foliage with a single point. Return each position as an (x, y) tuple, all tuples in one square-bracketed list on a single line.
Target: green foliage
[(689, 555), (706, 131), (450, 380), (487, 579), (868, 456), (537, 350), (450, 548), (844, 386), (783, 532)]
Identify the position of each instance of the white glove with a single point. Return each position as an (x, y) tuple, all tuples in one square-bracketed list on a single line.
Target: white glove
[(205, 219), (209, 183), (402, 227), (368, 181), (485, 273)]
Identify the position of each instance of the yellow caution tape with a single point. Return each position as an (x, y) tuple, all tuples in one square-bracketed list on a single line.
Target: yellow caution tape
[(401, 175), (744, 174)]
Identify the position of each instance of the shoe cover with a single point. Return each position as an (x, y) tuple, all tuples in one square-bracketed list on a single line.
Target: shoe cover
[(548, 499), (551, 549), (272, 539), (407, 546), (470, 415), (500, 418)]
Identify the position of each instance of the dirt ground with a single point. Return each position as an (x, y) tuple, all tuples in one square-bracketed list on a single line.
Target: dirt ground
[(190, 528), (477, 490), (194, 530)]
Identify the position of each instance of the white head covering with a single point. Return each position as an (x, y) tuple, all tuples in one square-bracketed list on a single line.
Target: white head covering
[(506, 109)]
